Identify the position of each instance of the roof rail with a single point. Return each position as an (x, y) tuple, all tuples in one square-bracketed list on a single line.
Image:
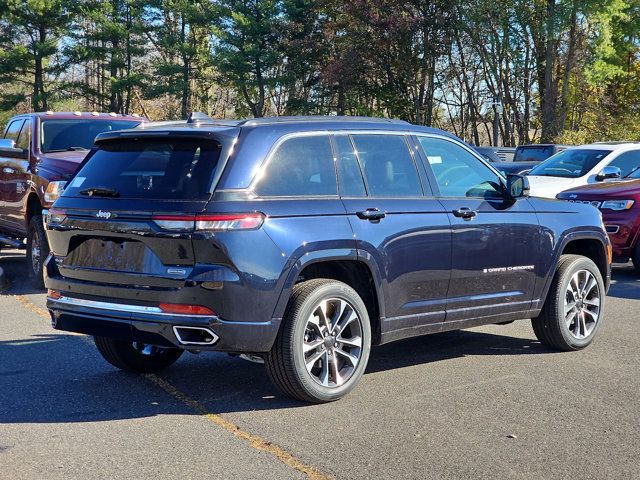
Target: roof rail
[(318, 118)]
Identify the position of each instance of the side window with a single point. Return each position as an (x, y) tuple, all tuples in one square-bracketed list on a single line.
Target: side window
[(14, 130), (349, 174), (458, 173), (25, 135), (300, 166), (626, 162), (388, 165)]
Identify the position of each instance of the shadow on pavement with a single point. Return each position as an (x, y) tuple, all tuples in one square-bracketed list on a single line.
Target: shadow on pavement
[(625, 282), (53, 378)]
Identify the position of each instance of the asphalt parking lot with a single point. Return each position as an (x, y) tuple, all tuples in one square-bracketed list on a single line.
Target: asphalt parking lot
[(488, 402)]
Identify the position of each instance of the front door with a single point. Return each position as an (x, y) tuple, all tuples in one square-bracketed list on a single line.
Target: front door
[(398, 225), (495, 241)]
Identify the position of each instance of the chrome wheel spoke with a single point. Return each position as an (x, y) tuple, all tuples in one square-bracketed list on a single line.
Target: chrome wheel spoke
[(582, 304), (350, 342), (352, 359), (332, 343)]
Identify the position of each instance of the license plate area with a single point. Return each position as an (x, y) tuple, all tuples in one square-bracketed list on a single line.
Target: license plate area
[(103, 254)]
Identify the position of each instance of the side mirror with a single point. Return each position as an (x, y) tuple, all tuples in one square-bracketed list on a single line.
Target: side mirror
[(517, 186), (608, 172), (8, 147), (7, 144)]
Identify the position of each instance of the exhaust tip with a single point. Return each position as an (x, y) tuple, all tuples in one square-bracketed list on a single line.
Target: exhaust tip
[(195, 335)]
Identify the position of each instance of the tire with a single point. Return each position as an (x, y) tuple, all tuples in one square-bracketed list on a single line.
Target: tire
[(576, 328), (37, 251), (636, 258), (302, 325), (134, 357)]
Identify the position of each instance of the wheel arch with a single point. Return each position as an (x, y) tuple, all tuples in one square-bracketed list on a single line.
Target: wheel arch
[(347, 267)]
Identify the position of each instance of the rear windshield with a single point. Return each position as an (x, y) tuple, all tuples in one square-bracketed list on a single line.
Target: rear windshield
[(572, 163), (65, 135), (175, 169), (533, 154)]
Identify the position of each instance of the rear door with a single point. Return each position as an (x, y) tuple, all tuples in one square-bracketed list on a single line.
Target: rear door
[(398, 224), (495, 242), (127, 217)]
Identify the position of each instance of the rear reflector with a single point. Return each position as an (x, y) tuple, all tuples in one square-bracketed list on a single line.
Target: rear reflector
[(210, 222), (53, 294), (182, 309)]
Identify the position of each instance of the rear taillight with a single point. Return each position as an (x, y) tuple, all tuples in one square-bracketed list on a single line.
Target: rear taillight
[(183, 309), (210, 222)]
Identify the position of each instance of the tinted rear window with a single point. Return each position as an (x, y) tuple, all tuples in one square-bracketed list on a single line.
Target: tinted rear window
[(532, 154), (63, 135), (177, 169)]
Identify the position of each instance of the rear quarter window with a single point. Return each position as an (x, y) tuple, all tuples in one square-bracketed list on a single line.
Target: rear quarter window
[(300, 166), (178, 169)]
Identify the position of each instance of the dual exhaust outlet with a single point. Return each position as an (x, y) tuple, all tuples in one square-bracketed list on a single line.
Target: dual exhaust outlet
[(195, 335)]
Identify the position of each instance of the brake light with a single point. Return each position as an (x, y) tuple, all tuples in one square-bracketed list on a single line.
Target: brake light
[(53, 294), (182, 309), (210, 222), (222, 222)]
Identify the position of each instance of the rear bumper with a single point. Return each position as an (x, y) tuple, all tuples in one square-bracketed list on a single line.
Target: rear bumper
[(89, 309), (158, 329)]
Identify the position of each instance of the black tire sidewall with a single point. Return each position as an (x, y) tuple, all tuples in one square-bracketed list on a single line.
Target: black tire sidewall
[(346, 293), (122, 354), (36, 227), (563, 282)]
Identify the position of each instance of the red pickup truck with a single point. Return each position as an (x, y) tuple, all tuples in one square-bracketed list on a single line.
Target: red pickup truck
[(38, 152)]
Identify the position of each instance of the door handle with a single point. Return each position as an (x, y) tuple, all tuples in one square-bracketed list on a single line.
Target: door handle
[(465, 213), (371, 214), (8, 170)]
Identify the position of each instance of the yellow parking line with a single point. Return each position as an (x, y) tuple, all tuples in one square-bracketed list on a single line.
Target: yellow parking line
[(254, 441)]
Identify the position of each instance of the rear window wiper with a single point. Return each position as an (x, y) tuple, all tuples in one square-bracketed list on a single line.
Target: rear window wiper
[(100, 192)]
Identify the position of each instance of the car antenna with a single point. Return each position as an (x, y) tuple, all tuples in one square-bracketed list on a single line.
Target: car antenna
[(197, 117)]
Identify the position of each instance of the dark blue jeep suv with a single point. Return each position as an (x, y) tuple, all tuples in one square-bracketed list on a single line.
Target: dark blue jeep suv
[(304, 241)]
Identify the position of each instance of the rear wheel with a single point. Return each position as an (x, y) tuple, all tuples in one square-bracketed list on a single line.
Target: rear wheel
[(572, 313), (37, 251), (135, 356), (323, 346)]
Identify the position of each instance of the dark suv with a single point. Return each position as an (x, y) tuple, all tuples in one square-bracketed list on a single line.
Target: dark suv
[(304, 241)]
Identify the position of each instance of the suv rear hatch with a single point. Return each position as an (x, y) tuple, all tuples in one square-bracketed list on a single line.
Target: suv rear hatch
[(128, 215)]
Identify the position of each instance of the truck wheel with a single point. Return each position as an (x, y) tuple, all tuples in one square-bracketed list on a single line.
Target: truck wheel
[(573, 311), (636, 258), (135, 356), (37, 251), (323, 345)]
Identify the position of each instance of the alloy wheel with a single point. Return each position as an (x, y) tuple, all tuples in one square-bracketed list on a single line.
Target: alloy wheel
[(582, 304), (332, 345)]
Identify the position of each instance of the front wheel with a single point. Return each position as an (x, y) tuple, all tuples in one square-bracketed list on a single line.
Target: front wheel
[(136, 357), (323, 345), (37, 251), (573, 311)]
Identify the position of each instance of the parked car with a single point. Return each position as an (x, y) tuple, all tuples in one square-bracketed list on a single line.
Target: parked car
[(583, 165), (619, 202), (38, 152), (497, 157), (304, 241)]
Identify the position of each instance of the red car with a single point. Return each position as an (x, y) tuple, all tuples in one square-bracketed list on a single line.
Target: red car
[(619, 202), (38, 152)]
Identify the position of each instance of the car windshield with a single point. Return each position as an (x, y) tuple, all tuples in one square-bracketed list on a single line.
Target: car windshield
[(572, 163), (532, 154), (635, 173), (66, 135)]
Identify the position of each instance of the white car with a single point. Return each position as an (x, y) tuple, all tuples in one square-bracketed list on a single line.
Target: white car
[(583, 165)]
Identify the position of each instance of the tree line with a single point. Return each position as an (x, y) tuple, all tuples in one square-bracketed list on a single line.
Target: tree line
[(503, 71)]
